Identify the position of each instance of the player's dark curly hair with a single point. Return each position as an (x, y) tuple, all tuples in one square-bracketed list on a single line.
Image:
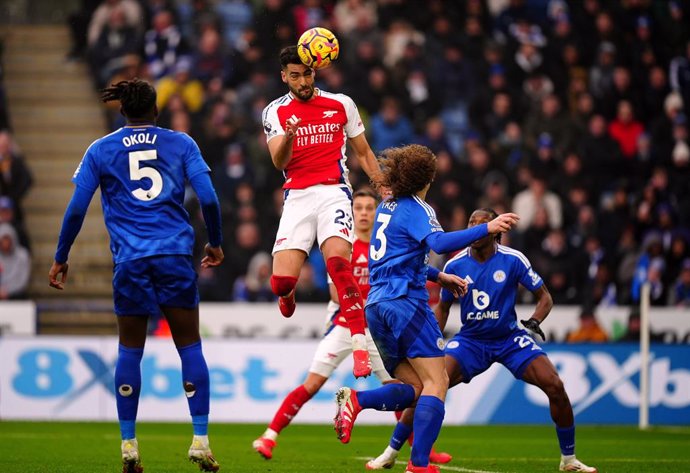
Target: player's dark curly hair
[(408, 169), (288, 55), (137, 97), (492, 215)]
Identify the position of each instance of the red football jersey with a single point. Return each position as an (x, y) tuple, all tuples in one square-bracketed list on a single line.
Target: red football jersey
[(318, 150)]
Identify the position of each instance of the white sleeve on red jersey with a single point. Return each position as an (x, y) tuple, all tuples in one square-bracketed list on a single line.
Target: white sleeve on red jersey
[(354, 125), (271, 122)]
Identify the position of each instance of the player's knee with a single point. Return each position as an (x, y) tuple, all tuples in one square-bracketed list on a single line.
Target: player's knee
[(283, 285), (554, 389)]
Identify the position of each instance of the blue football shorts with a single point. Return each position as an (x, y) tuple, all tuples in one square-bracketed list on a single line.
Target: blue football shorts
[(142, 286), (516, 351), (404, 328)]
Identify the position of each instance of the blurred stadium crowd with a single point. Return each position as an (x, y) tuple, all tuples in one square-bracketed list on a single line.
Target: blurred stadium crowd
[(573, 114)]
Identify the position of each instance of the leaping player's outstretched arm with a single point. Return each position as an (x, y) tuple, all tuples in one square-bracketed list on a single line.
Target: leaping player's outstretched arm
[(367, 159)]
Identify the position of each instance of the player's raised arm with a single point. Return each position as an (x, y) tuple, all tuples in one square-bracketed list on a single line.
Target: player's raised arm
[(280, 147), (367, 159), (442, 242)]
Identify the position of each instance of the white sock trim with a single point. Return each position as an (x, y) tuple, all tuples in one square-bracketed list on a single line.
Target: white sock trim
[(270, 434), (390, 452), (359, 341)]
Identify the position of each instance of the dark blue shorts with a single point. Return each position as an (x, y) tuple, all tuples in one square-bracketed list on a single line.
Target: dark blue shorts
[(516, 351), (404, 328), (142, 286)]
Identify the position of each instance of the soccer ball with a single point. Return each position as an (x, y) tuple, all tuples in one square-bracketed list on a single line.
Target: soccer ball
[(317, 47)]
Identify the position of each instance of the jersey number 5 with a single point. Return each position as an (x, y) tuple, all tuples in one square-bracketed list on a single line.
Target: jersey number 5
[(137, 173), (377, 254)]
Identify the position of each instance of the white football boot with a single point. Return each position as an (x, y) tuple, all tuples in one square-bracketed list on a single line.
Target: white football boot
[(131, 462), (385, 461), (570, 463), (200, 453)]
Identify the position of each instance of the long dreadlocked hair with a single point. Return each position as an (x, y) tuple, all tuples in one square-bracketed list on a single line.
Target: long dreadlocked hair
[(137, 97), (492, 215), (408, 169)]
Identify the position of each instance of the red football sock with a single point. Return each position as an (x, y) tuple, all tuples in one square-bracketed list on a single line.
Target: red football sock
[(282, 285), (349, 295), (291, 405)]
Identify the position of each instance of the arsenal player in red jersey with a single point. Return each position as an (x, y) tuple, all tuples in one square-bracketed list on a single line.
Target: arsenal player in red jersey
[(307, 131)]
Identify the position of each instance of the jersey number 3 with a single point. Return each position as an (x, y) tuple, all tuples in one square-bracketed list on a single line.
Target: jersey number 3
[(377, 254), (137, 173)]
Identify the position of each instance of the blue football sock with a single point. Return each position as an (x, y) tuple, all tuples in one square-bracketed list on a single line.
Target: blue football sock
[(428, 417), (566, 439), (195, 380), (400, 435), (128, 388), (389, 397)]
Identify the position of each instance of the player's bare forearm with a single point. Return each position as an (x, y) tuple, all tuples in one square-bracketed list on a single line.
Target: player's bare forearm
[(366, 158), (371, 167), (441, 312), (544, 303), (281, 153)]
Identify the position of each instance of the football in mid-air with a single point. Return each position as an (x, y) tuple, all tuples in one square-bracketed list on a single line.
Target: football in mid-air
[(318, 47)]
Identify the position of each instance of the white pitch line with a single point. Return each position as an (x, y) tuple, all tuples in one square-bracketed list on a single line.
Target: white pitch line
[(443, 467)]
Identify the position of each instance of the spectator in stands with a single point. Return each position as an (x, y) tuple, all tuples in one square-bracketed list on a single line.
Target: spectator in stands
[(212, 59), (132, 12), (680, 294), (653, 252), (163, 45), (589, 330), (181, 82), (15, 265), (632, 333), (601, 290), (389, 127), (233, 171), (626, 130), (78, 22), (679, 74), (15, 177), (255, 286), (526, 203), (116, 40), (549, 120)]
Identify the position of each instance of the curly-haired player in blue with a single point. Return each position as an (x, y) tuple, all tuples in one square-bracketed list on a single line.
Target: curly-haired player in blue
[(490, 333), (398, 313)]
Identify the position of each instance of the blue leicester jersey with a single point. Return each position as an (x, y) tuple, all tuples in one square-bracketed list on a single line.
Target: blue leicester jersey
[(141, 172), (487, 310), (397, 253)]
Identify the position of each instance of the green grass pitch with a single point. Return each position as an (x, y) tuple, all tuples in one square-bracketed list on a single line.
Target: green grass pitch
[(57, 447)]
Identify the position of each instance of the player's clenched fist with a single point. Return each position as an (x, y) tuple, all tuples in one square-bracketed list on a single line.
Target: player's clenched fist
[(291, 126), (503, 223)]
